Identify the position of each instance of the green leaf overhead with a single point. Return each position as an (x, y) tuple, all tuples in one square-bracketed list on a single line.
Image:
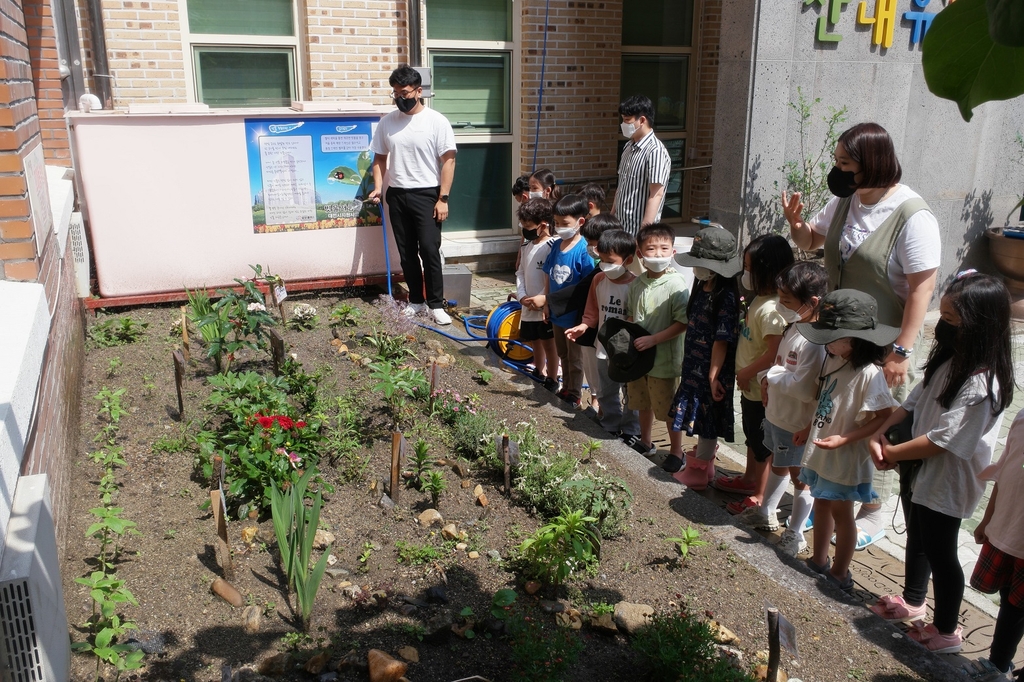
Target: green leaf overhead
[(961, 61), (1006, 22)]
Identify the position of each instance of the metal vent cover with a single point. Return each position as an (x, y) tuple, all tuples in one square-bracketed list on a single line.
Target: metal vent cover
[(80, 252), (22, 661)]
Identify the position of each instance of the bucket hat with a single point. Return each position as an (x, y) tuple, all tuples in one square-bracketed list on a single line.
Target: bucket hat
[(848, 313), (625, 362), (714, 248)]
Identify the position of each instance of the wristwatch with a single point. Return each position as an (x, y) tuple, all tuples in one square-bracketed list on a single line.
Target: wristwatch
[(901, 351), (444, 198)]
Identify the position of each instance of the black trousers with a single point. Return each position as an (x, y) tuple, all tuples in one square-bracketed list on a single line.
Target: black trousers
[(931, 551), (1008, 633), (418, 237)]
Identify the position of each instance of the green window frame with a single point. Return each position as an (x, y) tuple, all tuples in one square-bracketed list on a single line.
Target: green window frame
[(232, 77), (472, 89), (663, 78), (469, 20), (241, 17)]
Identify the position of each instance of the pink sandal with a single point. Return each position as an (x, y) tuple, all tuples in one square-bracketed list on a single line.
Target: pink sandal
[(893, 608)]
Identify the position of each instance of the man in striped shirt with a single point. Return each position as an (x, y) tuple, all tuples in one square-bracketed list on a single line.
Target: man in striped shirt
[(643, 168)]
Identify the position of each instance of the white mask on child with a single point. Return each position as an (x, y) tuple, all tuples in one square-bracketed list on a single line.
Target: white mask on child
[(566, 233), (790, 316), (702, 274), (612, 271), (657, 264), (745, 281), (536, 195)]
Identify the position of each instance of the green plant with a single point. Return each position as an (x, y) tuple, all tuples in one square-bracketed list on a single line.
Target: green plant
[(421, 463), (435, 485), (110, 404), (109, 528), (113, 366), (502, 602), (345, 315), (539, 479), (364, 558), (295, 527), (606, 498), (599, 608), (106, 628), (688, 537), (237, 320), (589, 448), (484, 376), (809, 174), (974, 53), (389, 347), (148, 386), (560, 548), (541, 652), (398, 384), (171, 444), (344, 438), (301, 386), (117, 332), (413, 554), (303, 317), (681, 646), (200, 307)]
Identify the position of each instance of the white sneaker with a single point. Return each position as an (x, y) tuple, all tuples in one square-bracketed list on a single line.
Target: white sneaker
[(414, 309), (440, 316), (792, 542), (755, 518)]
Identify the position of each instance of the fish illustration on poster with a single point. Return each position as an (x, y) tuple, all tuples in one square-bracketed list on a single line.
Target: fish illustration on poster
[(310, 174)]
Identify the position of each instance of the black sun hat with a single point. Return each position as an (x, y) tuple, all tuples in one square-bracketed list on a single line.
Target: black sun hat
[(714, 248), (625, 362), (848, 313)]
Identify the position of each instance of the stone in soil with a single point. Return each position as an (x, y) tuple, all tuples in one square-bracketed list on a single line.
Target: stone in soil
[(478, 490), (384, 668), (336, 572), (407, 610), (438, 627), (570, 618), (148, 641), (481, 499), (353, 591), (322, 538), (462, 546), (604, 623), (722, 634), (450, 532), (430, 517), (273, 666), (352, 660), (386, 502), (494, 555), (532, 587), (316, 664), (437, 595), (460, 469), (466, 483), (252, 617), (549, 607), (632, 617), (474, 555), (410, 654)]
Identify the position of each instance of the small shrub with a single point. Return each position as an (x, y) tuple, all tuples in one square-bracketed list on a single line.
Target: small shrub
[(681, 646), (345, 315), (343, 438), (471, 432), (117, 332), (435, 485), (560, 548), (539, 480), (607, 498), (421, 462), (541, 652), (388, 347)]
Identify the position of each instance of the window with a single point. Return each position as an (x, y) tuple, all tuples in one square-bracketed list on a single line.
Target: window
[(243, 52), (471, 52), (657, 39)]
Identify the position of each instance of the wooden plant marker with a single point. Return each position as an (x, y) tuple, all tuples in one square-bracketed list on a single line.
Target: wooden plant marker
[(184, 334), (781, 633), (179, 379), (435, 378), (398, 448), (219, 518), (278, 293), (276, 349), (508, 464)]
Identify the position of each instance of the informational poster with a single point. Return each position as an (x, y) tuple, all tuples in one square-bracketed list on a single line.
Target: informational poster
[(310, 174)]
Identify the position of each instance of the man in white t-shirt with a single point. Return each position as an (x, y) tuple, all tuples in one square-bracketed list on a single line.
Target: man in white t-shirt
[(416, 147)]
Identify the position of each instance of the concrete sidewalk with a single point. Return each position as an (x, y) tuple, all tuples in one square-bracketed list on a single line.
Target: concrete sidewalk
[(879, 569)]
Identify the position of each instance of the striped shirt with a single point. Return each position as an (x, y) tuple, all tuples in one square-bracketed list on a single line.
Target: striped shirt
[(643, 164)]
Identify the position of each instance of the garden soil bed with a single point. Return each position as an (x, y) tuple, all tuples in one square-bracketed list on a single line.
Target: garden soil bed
[(169, 567)]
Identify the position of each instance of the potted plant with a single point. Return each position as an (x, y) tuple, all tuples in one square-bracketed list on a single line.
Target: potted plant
[(1006, 245)]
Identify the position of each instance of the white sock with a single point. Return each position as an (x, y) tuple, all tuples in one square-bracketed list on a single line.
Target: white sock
[(870, 519), (803, 503), (774, 489)]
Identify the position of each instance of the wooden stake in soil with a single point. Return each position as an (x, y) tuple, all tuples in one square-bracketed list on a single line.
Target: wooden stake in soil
[(396, 463), (508, 464), (278, 293), (184, 333), (435, 378), (276, 349), (216, 504), (179, 379), (774, 652)]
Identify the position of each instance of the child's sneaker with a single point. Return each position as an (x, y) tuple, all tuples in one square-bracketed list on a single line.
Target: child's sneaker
[(808, 524), (758, 520), (733, 484), (551, 385), (792, 542), (893, 608), (931, 639), (630, 439), (740, 506), (984, 670), (645, 449)]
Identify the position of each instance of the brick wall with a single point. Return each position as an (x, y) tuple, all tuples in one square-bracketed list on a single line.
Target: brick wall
[(578, 121), (353, 46), (143, 51), (703, 137), (42, 44)]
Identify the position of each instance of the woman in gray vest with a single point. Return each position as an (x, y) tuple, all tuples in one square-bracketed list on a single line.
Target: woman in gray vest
[(881, 238)]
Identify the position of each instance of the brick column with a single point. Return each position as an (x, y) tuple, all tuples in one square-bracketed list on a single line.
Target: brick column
[(42, 45), (19, 134)]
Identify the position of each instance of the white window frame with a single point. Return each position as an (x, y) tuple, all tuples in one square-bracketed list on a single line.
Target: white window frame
[(190, 41), (515, 80)]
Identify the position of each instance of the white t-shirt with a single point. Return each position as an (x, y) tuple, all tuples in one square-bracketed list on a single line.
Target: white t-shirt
[(414, 145), (530, 276), (919, 247), (948, 482), (1006, 528), (849, 398), (611, 302), (793, 381)]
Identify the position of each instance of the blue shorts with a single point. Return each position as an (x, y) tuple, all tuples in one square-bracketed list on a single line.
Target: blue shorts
[(780, 442), (824, 489)]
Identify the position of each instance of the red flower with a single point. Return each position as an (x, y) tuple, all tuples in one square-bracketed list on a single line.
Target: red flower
[(300, 425), (265, 422), (285, 422)]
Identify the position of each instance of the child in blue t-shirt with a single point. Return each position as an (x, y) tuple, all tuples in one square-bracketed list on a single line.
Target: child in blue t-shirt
[(566, 265)]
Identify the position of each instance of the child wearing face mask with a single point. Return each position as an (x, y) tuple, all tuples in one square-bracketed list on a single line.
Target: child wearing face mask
[(542, 185), (607, 298), (657, 302), (703, 405), (760, 333), (957, 412), (531, 279), (853, 402), (787, 391), (566, 266)]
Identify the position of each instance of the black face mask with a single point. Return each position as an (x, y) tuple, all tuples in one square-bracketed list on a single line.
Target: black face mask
[(530, 235), (841, 183), (945, 333), (406, 104)]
